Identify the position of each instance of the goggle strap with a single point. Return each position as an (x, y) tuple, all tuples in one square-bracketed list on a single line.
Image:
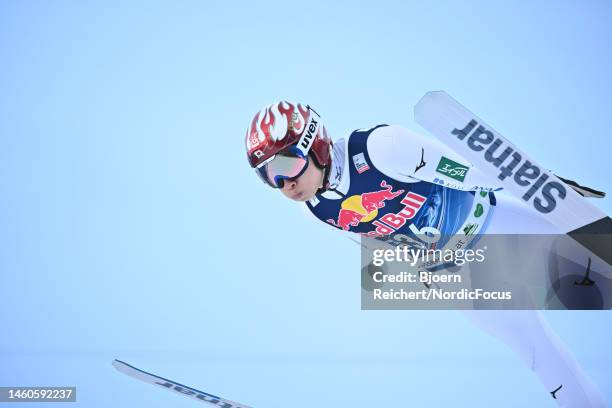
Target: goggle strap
[(263, 163)]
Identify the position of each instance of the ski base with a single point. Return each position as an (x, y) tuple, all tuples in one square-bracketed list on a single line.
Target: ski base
[(170, 385)]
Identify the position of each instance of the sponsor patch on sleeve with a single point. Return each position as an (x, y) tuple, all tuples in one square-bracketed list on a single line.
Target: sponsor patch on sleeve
[(452, 169)]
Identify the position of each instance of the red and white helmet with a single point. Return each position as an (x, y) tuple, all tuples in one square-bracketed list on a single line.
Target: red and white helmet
[(279, 126)]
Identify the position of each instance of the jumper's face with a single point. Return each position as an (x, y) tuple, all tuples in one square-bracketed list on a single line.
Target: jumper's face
[(304, 187)]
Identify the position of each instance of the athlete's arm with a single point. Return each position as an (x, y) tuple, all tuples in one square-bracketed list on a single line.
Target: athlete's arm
[(408, 156)]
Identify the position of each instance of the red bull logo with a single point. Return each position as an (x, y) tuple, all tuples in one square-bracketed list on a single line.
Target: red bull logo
[(364, 208), (347, 219)]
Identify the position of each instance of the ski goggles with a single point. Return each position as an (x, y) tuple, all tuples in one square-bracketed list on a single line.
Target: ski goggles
[(287, 165)]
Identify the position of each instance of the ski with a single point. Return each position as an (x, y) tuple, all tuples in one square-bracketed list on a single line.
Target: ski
[(190, 392), (518, 173)]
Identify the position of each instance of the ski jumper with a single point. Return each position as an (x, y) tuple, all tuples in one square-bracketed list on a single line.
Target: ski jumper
[(390, 184)]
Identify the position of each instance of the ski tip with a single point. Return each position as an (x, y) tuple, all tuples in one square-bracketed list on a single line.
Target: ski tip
[(433, 93), (119, 365), (430, 95), (428, 98)]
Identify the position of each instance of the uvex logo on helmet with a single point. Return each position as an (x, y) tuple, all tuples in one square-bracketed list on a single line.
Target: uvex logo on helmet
[(283, 124), (309, 136)]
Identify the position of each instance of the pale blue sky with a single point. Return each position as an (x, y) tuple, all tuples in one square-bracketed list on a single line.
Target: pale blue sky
[(133, 227)]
